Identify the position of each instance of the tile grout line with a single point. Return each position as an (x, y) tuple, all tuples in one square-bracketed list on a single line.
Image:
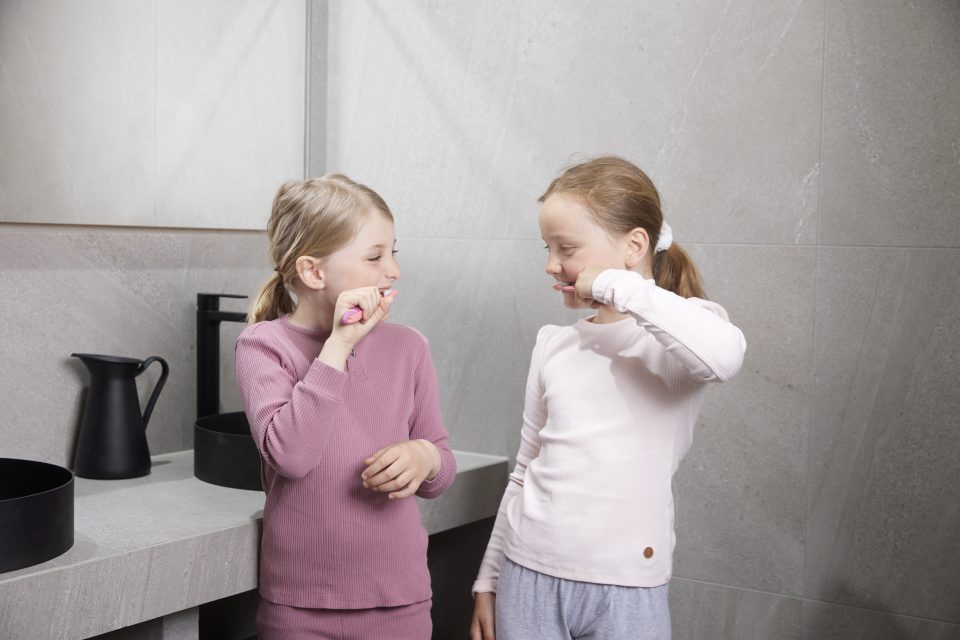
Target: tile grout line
[(86, 228), (307, 88), (823, 76), (156, 103), (816, 601), (812, 380), (773, 245)]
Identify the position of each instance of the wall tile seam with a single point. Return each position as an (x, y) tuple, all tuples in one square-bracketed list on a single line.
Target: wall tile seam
[(540, 242), (156, 106), (148, 231), (823, 79), (917, 247), (811, 382), (308, 130), (24, 228), (775, 245), (802, 599), (39, 228)]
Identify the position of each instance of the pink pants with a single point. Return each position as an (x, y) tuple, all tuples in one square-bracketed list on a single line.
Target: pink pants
[(280, 622)]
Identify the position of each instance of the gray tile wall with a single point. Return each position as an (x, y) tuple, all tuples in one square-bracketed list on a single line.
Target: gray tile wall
[(807, 157), (113, 291), (806, 153)]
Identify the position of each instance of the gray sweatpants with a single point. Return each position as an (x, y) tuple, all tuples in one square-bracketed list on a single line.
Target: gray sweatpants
[(534, 606)]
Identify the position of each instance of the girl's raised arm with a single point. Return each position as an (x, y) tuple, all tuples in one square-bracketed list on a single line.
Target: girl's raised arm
[(696, 332)]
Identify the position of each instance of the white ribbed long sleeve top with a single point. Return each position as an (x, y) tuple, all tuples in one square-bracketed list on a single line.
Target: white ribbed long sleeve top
[(608, 415)]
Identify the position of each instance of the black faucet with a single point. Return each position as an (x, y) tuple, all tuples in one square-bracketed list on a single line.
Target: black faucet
[(209, 317)]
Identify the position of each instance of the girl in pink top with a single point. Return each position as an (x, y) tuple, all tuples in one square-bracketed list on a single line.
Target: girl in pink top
[(347, 419), (583, 542)]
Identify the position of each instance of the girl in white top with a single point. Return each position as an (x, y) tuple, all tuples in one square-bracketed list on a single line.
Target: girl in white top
[(585, 527)]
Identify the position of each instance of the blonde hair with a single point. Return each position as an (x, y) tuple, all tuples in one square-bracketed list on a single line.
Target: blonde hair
[(310, 218), (622, 198)]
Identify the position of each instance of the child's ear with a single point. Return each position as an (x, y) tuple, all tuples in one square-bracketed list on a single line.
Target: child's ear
[(637, 247), (310, 271)]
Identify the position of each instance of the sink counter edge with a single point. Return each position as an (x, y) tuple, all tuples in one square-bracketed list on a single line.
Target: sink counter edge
[(147, 547)]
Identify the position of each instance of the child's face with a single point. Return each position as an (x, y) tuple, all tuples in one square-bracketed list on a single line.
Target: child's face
[(366, 261), (575, 241)]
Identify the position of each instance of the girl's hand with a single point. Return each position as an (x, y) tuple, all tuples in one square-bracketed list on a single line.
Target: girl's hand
[(374, 306), (584, 285), (344, 337), (399, 469), (483, 625)]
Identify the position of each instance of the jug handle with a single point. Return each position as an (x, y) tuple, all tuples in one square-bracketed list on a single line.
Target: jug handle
[(165, 369)]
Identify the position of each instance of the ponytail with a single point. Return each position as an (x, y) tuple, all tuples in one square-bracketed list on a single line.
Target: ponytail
[(673, 270), (272, 302)]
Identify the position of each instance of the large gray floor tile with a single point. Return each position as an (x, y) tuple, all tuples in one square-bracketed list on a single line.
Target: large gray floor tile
[(883, 504), (891, 124)]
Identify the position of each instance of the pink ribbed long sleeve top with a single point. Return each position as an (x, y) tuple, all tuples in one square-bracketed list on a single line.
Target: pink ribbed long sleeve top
[(327, 541)]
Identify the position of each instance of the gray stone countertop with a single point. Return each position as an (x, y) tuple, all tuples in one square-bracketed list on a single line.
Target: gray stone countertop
[(166, 542)]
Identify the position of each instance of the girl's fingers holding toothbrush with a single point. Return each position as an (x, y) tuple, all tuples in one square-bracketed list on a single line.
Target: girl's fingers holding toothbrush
[(584, 283), (368, 303), (380, 306), (382, 309), (349, 325), (366, 298)]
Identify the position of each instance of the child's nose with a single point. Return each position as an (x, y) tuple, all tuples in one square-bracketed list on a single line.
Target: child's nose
[(553, 266), (393, 269)]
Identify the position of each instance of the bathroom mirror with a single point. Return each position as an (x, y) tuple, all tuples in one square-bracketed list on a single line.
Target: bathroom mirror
[(181, 113)]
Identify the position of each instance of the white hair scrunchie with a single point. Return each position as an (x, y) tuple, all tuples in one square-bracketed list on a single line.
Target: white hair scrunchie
[(665, 239)]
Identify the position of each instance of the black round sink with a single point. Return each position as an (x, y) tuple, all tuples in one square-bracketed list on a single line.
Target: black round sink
[(36, 512), (224, 453)]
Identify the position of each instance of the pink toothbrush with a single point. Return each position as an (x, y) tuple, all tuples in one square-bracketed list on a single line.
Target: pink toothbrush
[(567, 288), (353, 314)]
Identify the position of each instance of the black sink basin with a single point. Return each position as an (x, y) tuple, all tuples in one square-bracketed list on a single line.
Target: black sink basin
[(36, 512), (224, 453)]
